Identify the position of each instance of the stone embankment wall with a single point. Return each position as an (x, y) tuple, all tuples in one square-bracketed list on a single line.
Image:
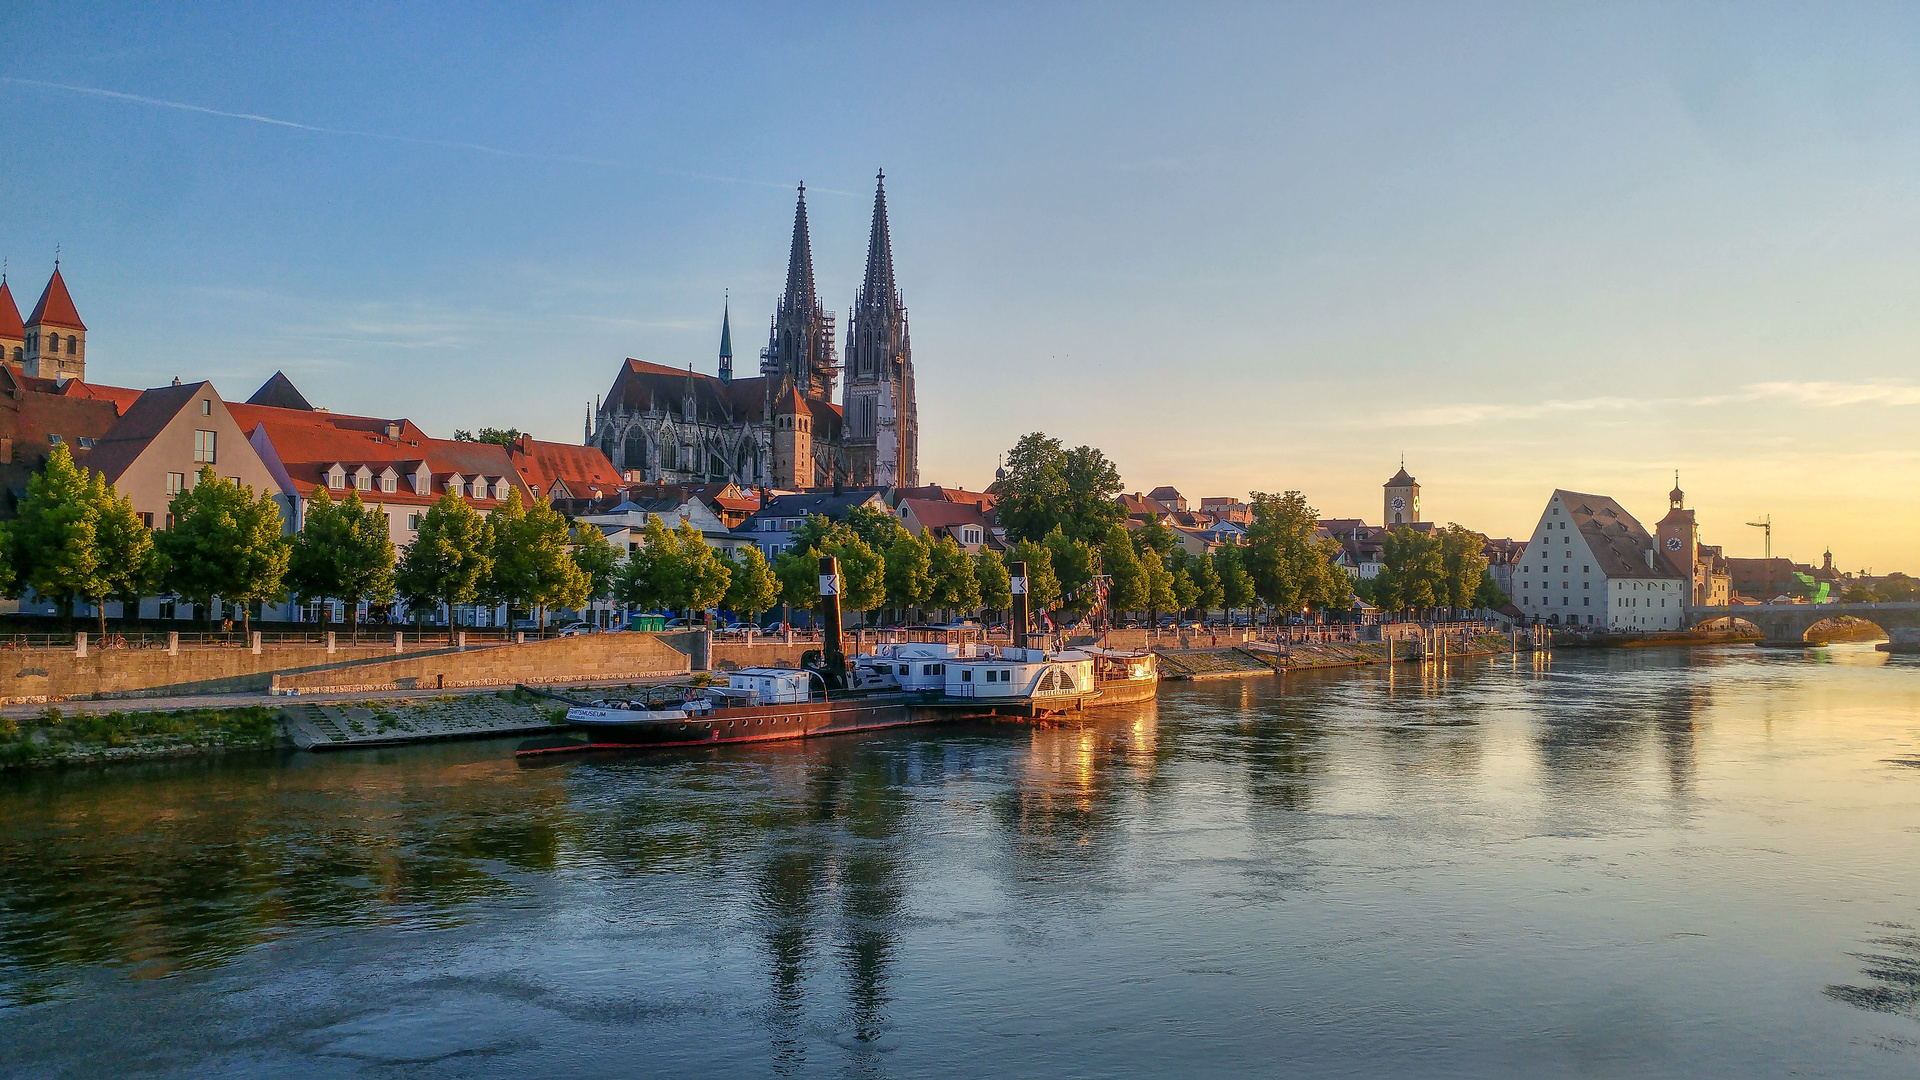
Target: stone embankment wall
[(588, 657), (36, 675)]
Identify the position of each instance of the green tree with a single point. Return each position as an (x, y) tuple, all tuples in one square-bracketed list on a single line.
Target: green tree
[(597, 558), (1043, 588), (448, 561), (643, 577), (699, 577), (1236, 587), (54, 544), (225, 542), (875, 527), (955, 589), (1048, 486), (130, 562), (498, 436), (1489, 594), (1207, 592), (1185, 592), (1292, 568), (344, 551), (990, 575), (1154, 536), (751, 587), (909, 561), (1413, 571), (1161, 594), (532, 559), (1073, 563), (1463, 562), (1126, 577), (863, 571), (799, 574)]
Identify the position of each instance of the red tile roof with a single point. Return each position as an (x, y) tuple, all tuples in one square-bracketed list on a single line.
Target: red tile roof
[(584, 471), (935, 491), (120, 397), (10, 324), (938, 513), (56, 307), (307, 444), (28, 417)]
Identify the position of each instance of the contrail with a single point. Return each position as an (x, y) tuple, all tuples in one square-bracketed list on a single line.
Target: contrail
[(479, 148), (115, 95)]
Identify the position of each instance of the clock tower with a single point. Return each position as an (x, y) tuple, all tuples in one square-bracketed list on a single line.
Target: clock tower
[(1678, 538), (1402, 506)]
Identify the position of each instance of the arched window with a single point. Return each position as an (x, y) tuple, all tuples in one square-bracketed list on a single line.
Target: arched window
[(635, 452), (73, 345), (19, 355)]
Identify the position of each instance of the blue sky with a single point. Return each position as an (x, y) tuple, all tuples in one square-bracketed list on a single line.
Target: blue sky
[(1259, 247)]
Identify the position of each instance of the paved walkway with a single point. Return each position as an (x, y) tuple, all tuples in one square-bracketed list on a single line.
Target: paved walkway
[(240, 701)]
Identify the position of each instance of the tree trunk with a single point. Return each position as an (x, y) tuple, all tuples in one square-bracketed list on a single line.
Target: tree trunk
[(102, 608)]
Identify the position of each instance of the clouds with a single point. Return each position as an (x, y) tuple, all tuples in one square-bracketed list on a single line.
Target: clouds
[(1816, 395)]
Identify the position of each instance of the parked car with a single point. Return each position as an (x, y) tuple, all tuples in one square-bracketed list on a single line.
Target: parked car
[(574, 629)]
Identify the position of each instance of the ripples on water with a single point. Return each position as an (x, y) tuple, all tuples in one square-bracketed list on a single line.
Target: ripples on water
[(1632, 863)]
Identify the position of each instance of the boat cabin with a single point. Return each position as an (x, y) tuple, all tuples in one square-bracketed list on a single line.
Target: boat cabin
[(770, 686)]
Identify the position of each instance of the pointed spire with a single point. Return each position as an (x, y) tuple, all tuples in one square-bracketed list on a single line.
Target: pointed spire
[(10, 325), (878, 284), (800, 258), (56, 305), (726, 328)]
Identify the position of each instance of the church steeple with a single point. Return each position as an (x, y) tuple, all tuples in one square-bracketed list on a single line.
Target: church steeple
[(878, 283), (726, 341), (800, 345), (883, 427)]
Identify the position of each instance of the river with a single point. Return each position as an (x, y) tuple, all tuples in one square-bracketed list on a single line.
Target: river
[(1629, 863)]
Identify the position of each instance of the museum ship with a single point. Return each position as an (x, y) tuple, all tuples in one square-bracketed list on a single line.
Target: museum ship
[(932, 675)]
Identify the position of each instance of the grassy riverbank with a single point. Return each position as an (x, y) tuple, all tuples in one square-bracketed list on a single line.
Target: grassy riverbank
[(52, 738)]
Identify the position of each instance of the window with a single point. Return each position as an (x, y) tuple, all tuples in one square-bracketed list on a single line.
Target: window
[(389, 484), (73, 345), (86, 443), (363, 482), (206, 407), (203, 443), (966, 676), (147, 520), (234, 480), (53, 439), (336, 479), (176, 483), (413, 522)]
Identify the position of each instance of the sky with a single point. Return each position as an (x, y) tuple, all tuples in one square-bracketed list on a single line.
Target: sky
[(1261, 247)]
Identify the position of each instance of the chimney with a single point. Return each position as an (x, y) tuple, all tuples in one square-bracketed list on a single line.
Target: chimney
[(393, 430)]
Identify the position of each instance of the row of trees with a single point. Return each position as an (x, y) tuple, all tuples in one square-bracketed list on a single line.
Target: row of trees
[(76, 539), (1421, 571)]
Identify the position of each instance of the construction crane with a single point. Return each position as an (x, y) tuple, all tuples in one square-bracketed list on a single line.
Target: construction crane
[(1766, 525)]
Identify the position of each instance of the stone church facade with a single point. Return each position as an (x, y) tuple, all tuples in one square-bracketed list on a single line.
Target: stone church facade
[(781, 428)]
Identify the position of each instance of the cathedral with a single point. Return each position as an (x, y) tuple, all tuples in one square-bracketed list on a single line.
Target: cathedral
[(781, 429)]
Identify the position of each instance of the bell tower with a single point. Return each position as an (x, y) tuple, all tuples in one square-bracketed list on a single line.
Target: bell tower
[(1401, 505), (56, 338), (1678, 536)]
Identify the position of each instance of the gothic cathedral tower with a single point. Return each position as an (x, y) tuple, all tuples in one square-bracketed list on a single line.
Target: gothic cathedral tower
[(799, 351), (882, 419)]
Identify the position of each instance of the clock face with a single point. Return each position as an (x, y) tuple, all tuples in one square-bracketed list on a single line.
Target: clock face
[(1673, 543), (1399, 503)]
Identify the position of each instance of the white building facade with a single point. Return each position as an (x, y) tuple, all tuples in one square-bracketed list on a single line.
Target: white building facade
[(1592, 565)]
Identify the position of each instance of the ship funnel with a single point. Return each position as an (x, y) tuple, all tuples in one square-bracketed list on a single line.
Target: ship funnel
[(1017, 580), (832, 642)]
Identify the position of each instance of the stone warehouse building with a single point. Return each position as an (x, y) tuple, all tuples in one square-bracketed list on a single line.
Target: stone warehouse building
[(781, 429)]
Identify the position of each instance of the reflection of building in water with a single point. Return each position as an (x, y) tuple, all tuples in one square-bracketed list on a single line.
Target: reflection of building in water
[(810, 871)]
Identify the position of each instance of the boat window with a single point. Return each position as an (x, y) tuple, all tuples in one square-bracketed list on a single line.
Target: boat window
[(966, 676)]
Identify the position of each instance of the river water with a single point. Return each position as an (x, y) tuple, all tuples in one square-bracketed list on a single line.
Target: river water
[(1630, 863)]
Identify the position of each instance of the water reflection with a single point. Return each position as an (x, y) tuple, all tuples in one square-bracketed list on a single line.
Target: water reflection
[(1272, 868)]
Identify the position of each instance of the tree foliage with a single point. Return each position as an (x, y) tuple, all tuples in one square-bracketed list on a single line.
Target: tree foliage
[(533, 562), (225, 541), (909, 577), (498, 436), (597, 558), (1073, 563), (449, 559), (1291, 568), (1236, 587), (54, 542), (954, 587), (1043, 588), (1048, 486), (344, 551), (751, 588), (990, 576), (1126, 577)]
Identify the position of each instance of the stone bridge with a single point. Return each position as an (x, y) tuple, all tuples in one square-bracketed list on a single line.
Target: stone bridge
[(1788, 624)]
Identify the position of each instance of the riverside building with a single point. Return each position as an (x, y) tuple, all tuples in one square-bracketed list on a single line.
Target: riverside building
[(1589, 563)]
